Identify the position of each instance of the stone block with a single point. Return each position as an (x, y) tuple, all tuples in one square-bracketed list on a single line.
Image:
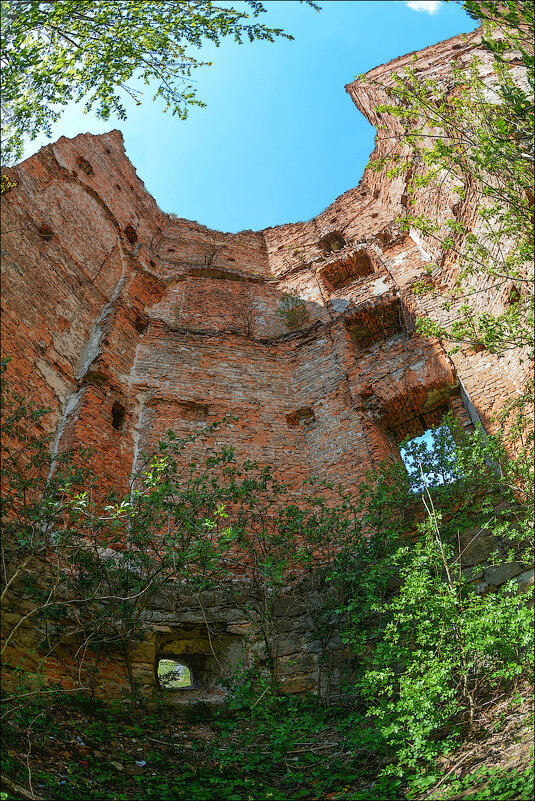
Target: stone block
[(525, 580), (499, 574)]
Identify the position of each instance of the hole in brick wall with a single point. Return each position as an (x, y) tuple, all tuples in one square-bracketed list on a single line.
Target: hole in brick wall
[(513, 296), (406, 196), (332, 242), (347, 270), (118, 415), (118, 187), (84, 165), (130, 234), (108, 150), (151, 263), (194, 410), (141, 323), (46, 233), (429, 458), (304, 415), (174, 675), (390, 235)]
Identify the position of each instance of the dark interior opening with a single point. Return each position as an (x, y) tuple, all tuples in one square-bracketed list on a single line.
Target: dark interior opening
[(46, 233), (118, 415), (141, 323), (349, 269), (332, 242), (130, 234), (378, 323), (84, 165)]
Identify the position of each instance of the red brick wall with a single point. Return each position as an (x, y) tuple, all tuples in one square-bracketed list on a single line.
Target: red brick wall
[(124, 304)]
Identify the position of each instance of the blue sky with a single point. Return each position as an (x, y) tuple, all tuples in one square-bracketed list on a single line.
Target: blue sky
[(280, 138)]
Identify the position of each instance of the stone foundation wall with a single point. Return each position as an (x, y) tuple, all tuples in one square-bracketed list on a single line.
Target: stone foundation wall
[(214, 633)]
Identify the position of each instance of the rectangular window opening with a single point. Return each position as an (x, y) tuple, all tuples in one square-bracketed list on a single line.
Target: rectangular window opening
[(429, 458)]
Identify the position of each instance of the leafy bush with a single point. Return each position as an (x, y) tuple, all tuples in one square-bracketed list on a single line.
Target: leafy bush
[(432, 651), (293, 311)]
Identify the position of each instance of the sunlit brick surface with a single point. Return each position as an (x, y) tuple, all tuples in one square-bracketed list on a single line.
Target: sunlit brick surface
[(128, 322)]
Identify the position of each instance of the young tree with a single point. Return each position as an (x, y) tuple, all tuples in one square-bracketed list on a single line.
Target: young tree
[(61, 50), (472, 136), (432, 644)]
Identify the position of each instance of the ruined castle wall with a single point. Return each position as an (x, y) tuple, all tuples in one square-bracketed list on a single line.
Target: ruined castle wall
[(129, 322), (488, 380)]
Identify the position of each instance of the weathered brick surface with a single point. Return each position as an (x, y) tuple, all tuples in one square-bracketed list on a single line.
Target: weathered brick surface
[(129, 322)]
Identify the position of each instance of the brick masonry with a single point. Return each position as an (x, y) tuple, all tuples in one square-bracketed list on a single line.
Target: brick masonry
[(127, 321)]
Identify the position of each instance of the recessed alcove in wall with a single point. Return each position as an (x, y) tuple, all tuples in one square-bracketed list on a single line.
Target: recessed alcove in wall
[(191, 651), (118, 415), (46, 233), (390, 235), (332, 242), (141, 323), (130, 234), (347, 269), (193, 410), (379, 322), (84, 165), (304, 415)]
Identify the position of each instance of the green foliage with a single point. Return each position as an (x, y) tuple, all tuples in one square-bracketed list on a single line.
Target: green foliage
[(474, 136), (496, 784), (91, 565), (431, 653), (95, 50), (172, 676), (6, 184), (292, 311), (429, 650)]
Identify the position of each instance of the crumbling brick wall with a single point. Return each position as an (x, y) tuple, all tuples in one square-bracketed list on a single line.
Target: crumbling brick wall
[(128, 322)]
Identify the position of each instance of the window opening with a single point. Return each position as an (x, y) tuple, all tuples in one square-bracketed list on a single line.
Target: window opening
[(130, 234), (118, 414), (377, 324), (430, 458), (173, 675)]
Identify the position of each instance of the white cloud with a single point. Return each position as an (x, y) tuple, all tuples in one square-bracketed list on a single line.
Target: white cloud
[(427, 6)]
